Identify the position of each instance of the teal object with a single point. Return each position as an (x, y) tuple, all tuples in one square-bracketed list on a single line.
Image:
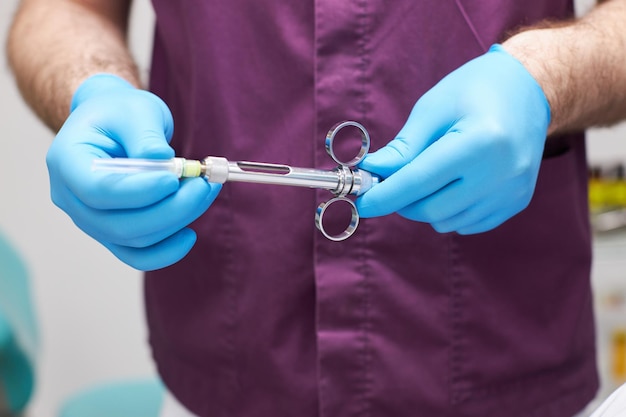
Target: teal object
[(127, 398), (18, 332)]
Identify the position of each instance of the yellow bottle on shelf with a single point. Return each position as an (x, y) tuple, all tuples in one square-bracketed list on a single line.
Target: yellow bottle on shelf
[(596, 190), (619, 188), (618, 356)]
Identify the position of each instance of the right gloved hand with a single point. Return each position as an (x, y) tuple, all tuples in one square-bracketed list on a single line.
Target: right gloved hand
[(468, 157), (141, 218)]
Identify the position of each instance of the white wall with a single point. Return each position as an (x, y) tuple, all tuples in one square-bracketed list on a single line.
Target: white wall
[(89, 305), (605, 145)]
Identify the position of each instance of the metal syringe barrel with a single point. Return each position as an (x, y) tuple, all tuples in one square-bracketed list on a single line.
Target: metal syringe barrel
[(341, 181)]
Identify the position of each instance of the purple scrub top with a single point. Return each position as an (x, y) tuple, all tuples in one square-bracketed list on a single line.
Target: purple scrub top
[(267, 318)]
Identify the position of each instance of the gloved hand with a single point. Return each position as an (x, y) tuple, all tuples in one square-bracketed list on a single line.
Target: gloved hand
[(141, 218), (468, 156)]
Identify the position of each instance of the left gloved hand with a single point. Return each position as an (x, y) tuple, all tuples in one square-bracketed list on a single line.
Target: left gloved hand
[(467, 158)]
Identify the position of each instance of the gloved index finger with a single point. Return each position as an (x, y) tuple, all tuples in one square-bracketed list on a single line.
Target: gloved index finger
[(430, 171), (126, 191), (71, 167), (429, 120)]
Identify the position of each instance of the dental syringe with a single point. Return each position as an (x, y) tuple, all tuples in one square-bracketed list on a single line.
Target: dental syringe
[(341, 181)]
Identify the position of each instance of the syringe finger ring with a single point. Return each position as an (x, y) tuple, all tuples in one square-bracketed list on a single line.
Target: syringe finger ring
[(354, 219)]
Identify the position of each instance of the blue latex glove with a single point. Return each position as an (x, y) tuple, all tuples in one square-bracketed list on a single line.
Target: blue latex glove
[(467, 158), (141, 218)]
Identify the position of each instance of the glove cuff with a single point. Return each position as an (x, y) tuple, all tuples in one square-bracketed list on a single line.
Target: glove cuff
[(95, 84), (499, 49)]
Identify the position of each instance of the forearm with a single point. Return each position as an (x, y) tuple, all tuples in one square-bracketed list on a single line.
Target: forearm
[(581, 66), (55, 45)]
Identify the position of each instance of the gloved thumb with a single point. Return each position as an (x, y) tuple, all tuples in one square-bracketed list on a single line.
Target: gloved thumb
[(390, 158)]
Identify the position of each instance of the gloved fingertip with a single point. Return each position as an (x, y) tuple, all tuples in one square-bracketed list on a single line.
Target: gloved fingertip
[(215, 189), (175, 247), (367, 207), (387, 159), (168, 120), (362, 208), (186, 237), (161, 255), (377, 163), (196, 195)]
